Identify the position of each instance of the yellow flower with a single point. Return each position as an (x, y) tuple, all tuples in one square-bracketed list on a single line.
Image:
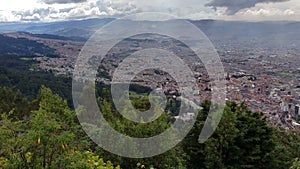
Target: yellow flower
[(39, 140)]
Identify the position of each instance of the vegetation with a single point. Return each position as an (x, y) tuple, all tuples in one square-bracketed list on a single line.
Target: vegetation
[(45, 133), (49, 138), (243, 139), (296, 164), (23, 46), (16, 72)]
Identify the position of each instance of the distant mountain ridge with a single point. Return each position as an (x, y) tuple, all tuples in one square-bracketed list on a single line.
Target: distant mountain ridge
[(78, 28), (54, 37), (271, 34), (84, 28)]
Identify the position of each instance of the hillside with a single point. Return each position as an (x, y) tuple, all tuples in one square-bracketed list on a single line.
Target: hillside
[(23, 46)]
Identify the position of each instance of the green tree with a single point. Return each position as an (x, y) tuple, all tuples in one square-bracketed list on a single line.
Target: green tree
[(296, 164), (12, 99), (243, 139), (130, 128), (51, 138)]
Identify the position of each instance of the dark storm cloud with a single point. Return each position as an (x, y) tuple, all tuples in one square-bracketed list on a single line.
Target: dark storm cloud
[(233, 6), (62, 1)]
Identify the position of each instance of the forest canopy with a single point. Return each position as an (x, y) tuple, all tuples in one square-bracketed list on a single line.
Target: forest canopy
[(45, 133)]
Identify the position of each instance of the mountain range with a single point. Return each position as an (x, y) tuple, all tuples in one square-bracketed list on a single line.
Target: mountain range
[(267, 35)]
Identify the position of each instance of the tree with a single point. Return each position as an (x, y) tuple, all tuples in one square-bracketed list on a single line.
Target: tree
[(51, 138), (130, 128), (296, 164), (12, 99), (243, 139)]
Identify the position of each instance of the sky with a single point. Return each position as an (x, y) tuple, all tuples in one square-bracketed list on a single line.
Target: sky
[(59, 10)]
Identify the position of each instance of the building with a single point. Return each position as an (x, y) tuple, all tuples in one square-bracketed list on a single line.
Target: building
[(296, 110)]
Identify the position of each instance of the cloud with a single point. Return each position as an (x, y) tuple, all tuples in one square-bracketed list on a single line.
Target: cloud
[(234, 6), (31, 15), (58, 10), (62, 1)]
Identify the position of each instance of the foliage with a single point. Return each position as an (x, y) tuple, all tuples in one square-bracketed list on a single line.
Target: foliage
[(12, 99), (23, 46), (30, 82), (85, 160), (44, 133), (51, 138), (133, 129), (243, 139), (296, 164)]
